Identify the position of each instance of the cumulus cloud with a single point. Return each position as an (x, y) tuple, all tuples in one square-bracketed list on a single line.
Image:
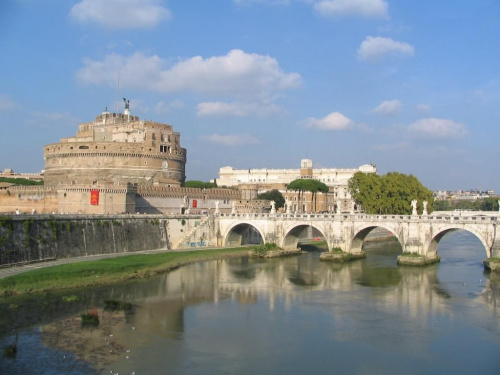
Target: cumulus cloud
[(423, 108), (7, 104), (435, 128), (52, 120), (333, 121), (374, 49), (224, 109), (121, 14), (365, 8), (162, 107), (237, 73), (388, 107), (232, 139)]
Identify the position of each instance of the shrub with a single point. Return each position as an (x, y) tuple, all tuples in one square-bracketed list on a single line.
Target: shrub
[(264, 248)]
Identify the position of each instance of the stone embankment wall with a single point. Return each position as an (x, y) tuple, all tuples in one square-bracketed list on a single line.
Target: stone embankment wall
[(33, 238)]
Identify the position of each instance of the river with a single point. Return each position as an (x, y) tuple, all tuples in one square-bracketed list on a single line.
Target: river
[(279, 316)]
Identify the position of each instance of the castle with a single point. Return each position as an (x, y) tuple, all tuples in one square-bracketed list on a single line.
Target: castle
[(117, 149)]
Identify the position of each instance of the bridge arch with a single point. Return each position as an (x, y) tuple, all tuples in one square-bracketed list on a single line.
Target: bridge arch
[(434, 242), (292, 235), (243, 233), (356, 245)]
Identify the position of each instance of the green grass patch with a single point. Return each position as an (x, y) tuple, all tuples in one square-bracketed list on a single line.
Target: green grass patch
[(105, 271), (494, 260), (413, 255), (72, 298)]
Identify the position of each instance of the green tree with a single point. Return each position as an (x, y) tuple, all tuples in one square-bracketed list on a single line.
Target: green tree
[(273, 195), (20, 181), (488, 204), (365, 189), (200, 184), (389, 194), (301, 185), (443, 205)]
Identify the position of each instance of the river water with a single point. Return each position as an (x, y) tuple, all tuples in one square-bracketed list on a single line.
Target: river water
[(279, 316)]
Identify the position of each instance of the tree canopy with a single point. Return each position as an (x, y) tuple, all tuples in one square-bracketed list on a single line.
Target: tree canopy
[(273, 195), (20, 181), (486, 204), (313, 186), (389, 194), (200, 184)]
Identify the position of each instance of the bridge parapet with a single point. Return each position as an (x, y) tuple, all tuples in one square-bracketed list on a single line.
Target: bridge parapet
[(416, 233)]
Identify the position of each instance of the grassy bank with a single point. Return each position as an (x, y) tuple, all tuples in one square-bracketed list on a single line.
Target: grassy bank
[(105, 271)]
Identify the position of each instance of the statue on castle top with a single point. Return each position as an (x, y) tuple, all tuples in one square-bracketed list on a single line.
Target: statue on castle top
[(127, 103)]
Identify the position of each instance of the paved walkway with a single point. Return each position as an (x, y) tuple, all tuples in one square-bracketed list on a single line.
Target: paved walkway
[(11, 271)]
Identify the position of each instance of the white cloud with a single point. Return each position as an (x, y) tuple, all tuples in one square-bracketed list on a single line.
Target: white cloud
[(373, 49), (7, 104), (237, 109), (388, 107), (231, 140), (365, 8), (398, 146), (52, 120), (162, 107), (333, 121), (423, 108), (237, 73), (121, 14), (435, 128)]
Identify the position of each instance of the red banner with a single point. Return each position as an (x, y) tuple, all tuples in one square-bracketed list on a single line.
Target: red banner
[(195, 203), (94, 197)]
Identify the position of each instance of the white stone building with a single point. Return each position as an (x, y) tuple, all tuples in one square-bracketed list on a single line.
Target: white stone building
[(264, 179)]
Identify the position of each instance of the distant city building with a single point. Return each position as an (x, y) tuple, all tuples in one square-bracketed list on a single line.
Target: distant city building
[(117, 149), (463, 194), (9, 173), (256, 181)]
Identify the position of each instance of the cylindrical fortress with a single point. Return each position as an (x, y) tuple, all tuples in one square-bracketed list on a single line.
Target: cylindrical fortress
[(115, 149)]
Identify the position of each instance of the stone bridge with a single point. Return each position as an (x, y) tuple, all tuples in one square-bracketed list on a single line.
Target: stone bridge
[(416, 233)]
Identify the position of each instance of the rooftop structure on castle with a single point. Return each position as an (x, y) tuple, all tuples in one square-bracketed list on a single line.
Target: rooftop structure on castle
[(117, 148)]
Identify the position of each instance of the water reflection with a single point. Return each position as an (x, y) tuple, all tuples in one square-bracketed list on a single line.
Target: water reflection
[(229, 315)]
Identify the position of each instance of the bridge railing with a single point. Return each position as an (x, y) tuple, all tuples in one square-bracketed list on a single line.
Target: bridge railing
[(478, 218)]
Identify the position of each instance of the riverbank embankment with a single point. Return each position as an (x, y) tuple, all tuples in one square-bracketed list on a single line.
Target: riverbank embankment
[(109, 270)]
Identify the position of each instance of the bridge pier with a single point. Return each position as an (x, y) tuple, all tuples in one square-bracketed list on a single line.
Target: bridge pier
[(414, 245), (495, 249)]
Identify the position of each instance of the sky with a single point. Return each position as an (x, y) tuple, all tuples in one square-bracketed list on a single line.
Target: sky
[(410, 86)]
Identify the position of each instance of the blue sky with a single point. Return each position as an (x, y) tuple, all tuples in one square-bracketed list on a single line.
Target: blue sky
[(411, 86)]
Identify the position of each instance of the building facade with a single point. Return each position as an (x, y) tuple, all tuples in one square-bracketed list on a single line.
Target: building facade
[(256, 181)]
